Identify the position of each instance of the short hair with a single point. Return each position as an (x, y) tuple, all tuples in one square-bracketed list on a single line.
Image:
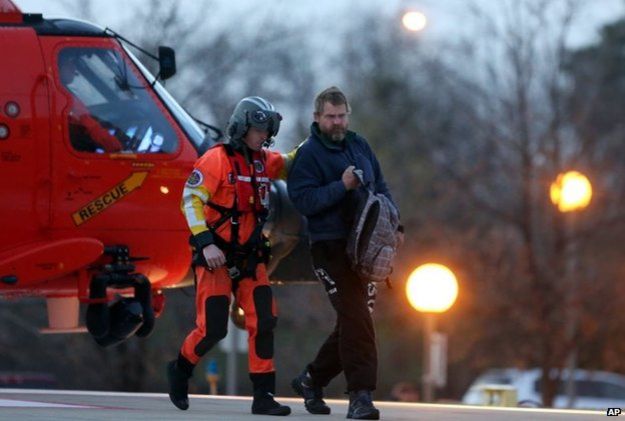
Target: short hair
[(333, 95)]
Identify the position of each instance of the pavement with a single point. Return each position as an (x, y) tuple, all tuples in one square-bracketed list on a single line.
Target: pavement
[(22, 405)]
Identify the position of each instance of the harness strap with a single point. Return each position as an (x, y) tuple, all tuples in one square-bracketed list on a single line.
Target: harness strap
[(241, 259)]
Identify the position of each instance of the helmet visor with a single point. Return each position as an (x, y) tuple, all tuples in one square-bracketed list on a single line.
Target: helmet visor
[(265, 120)]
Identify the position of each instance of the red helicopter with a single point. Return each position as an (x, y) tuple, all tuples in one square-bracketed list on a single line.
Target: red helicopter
[(94, 153)]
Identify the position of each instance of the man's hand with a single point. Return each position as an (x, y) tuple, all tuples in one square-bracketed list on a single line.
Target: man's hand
[(214, 256), (349, 178)]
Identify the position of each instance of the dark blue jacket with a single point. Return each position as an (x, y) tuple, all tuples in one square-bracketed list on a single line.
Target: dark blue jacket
[(315, 186)]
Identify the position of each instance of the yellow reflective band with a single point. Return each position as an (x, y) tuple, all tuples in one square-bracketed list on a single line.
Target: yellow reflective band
[(288, 161), (109, 198)]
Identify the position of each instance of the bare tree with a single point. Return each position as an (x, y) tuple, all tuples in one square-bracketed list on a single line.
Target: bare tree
[(471, 138), (537, 263), (219, 62)]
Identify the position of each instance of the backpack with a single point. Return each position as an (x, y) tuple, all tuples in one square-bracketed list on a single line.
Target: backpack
[(372, 241)]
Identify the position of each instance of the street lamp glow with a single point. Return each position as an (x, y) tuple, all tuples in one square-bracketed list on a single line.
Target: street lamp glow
[(414, 21), (571, 191), (432, 288)]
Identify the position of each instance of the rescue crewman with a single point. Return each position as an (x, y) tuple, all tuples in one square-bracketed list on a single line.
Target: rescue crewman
[(225, 202), (86, 133)]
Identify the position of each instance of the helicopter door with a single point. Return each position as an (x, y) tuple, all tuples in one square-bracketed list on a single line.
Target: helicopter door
[(111, 141)]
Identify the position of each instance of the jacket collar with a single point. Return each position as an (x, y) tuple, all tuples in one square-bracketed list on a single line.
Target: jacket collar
[(238, 146)]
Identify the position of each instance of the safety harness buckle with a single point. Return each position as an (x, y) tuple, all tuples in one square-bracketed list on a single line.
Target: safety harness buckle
[(234, 272)]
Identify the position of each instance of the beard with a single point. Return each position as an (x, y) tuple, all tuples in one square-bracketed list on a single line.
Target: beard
[(337, 133)]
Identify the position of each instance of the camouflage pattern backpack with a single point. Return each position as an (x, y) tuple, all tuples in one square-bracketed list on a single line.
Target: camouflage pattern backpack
[(372, 242)]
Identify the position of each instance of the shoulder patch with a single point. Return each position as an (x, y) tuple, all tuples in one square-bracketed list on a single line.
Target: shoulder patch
[(195, 179)]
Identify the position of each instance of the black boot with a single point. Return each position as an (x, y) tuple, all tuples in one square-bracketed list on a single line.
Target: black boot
[(264, 389), (313, 395), (178, 373), (361, 406)]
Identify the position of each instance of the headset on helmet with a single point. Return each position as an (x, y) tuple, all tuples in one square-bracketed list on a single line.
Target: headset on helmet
[(253, 111)]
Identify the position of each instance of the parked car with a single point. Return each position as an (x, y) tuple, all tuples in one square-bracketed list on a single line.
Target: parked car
[(594, 389)]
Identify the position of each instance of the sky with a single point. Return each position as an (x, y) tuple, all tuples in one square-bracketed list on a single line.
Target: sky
[(323, 20), (446, 18)]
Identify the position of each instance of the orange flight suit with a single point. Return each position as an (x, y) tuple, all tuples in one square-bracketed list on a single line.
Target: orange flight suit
[(214, 179)]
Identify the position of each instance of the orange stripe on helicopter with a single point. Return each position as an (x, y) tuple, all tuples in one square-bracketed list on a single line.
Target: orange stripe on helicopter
[(109, 198)]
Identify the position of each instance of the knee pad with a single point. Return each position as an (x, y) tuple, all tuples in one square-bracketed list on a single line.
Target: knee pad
[(266, 321), (216, 311)]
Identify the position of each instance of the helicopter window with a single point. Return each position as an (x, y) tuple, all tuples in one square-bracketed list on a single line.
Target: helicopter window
[(112, 109)]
